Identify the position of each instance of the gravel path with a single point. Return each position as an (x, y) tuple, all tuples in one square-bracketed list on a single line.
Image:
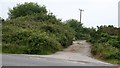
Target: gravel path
[(79, 51), (81, 47)]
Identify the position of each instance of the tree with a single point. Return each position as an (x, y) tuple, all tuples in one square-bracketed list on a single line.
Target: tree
[(76, 26), (26, 9)]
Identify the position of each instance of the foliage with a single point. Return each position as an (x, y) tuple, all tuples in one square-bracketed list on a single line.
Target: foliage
[(31, 42), (106, 44), (77, 27), (105, 40), (80, 31), (110, 30), (26, 9), (46, 38), (37, 33), (31, 30)]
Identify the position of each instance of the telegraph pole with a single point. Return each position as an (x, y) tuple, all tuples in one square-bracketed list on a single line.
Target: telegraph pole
[(80, 14)]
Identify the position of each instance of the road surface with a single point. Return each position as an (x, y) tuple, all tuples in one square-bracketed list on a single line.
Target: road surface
[(25, 60)]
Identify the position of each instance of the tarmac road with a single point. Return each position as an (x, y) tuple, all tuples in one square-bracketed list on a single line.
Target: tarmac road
[(25, 60)]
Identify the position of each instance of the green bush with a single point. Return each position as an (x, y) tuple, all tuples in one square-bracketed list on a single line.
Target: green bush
[(26, 9), (31, 43), (105, 51), (114, 41), (77, 27), (106, 44), (65, 34), (35, 36)]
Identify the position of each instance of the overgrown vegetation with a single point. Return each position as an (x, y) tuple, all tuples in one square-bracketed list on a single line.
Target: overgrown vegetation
[(37, 33), (26, 9), (106, 44), (31, 30), (80, 31), (105, 40)]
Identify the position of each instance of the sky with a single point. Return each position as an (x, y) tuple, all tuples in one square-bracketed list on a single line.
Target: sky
[(96, 12)]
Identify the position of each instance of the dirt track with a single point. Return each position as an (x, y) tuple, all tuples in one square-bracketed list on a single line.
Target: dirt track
[(81, 47), (79, 51)]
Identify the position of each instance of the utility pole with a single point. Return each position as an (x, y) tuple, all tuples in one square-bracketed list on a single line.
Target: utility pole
[(80, 14)]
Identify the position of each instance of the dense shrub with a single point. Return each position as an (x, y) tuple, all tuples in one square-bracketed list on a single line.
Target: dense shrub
[(32, 42), (30, 29), (78, 28), (26, 9), (27, 35), (114, 41), (65, 34), (106, 44), (105, 51)]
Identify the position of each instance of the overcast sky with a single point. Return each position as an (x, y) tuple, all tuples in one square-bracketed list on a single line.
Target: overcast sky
[(96, 12)]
